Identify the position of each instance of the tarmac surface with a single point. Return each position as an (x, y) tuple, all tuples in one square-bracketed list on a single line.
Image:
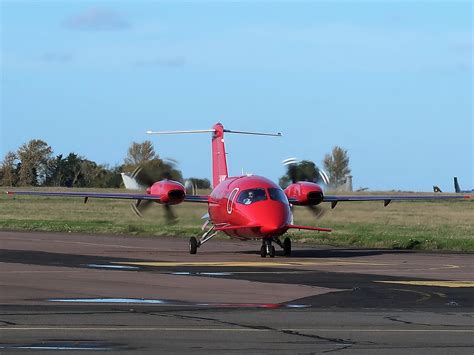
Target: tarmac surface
[(77, 293)]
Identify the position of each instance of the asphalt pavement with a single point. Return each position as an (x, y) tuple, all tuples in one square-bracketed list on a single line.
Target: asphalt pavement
[(88, 293)]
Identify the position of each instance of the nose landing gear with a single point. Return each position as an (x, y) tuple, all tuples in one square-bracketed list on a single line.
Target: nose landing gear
[(194, 244), (268, 249)]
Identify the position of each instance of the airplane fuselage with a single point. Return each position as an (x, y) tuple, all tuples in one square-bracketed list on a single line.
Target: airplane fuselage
[(265, 214)]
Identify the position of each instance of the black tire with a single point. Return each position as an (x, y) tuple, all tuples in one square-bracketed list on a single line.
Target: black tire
[(272, 251), (263, 251), (193, 245), (287, 246)]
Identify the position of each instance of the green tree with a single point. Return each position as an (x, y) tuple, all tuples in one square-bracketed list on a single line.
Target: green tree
[(152, 168), (138, 153), (336, 165), (200, 183), (305, 170), (56, 171), (111, 178), (8, 171), (156, 170), (77, 171), (34, 157)]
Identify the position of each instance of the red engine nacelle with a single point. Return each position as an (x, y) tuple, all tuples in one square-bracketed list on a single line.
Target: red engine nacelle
[(305, 193), (170, 192)]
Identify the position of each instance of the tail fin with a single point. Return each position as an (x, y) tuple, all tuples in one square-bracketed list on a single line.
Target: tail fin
[(456, 185), (219, 160)]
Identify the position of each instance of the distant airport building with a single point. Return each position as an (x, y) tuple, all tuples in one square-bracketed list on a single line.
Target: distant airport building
[(345, 184)]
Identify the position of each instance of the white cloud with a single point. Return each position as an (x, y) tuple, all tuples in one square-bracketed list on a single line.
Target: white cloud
[(97, 19)]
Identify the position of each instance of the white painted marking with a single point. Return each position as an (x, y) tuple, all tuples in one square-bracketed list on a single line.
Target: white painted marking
[(50, 348), (250, 263), (231, 200), (119, 267), (107, 300)]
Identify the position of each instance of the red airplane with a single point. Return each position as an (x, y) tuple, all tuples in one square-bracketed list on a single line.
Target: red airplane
[(244, 207)]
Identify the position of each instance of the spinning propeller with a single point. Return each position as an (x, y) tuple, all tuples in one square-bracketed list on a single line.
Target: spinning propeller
[(292, 167), (143, 178)]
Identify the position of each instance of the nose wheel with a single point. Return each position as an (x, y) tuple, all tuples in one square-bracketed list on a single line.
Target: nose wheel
[(193, 245), (287, 246), (267, 249)]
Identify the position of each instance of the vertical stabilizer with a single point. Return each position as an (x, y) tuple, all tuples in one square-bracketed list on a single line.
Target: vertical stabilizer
[(456, 185), (219, 161)]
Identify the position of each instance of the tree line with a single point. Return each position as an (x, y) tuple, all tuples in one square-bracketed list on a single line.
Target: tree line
[(336, 165), (34, 164)]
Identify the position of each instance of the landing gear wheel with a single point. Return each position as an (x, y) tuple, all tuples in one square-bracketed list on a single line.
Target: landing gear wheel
[(287, 246), (272, 251), (263, 251), (193, 245)]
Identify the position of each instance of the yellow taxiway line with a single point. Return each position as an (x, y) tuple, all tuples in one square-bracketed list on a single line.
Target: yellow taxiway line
[(248, 263), (434, 283)]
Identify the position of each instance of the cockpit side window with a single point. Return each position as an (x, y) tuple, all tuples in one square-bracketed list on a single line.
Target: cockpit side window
[(278, 195), (248, 197)]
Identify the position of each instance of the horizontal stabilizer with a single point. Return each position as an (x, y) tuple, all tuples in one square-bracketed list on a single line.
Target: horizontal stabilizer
[(293, 226)]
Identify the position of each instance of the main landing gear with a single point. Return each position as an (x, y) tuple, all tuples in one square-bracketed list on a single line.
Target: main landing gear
[(268, 249), (194, 244)]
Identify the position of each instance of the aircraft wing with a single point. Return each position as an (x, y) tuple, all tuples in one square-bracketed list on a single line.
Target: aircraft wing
[(123, 196), (334, 199), (308, 228)]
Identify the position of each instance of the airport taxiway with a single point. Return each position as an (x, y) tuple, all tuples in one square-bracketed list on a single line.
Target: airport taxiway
[(108, 293)]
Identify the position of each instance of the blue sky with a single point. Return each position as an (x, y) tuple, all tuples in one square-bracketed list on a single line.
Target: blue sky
[(389, 81)]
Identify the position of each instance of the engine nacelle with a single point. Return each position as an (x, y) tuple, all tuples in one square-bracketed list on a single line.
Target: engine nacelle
[(170, 192), (304, 193)]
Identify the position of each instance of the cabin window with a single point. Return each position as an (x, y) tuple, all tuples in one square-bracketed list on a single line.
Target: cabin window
[(278, 195), (248, 197)]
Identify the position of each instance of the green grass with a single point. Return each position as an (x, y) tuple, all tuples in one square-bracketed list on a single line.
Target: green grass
[(443, 225)]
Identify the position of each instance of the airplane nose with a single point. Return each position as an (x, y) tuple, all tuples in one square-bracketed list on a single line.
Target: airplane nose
[(272, 229), (273, 217)]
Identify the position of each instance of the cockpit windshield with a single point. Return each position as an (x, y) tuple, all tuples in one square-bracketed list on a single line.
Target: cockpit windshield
[(278, 195), (248, 197)]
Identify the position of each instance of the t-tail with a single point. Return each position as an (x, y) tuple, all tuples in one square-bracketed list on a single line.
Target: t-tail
[(219, 159), (457, 188)]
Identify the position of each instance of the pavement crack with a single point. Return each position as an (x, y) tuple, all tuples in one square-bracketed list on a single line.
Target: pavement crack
[(7, 322), (339, 341), (397, 320), (338, 349), (331, 340)]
